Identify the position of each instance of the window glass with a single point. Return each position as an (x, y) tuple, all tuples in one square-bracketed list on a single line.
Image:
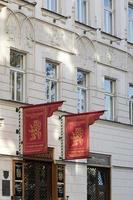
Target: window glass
[(81, 11), (108, 16), (16, 75), (81, 91), (51, 81), (52, 5), (98, 183), (81, 78), (16, 59), (108, 3), (130, 94), (109, 98), (130, 24), (130, 91)]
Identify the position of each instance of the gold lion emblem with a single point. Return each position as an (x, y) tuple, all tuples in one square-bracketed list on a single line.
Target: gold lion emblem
[(77, 137), (35, 130)]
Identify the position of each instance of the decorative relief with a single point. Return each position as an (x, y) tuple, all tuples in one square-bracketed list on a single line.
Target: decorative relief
[(85, 51), (54, 36), (27, 32), (13, 29), (20, 31), (111, 56)]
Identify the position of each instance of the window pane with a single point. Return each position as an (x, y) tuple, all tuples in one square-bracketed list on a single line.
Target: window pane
[(50, 70), (84, 11), (53, 91), (107, 21), (108, 103), (108, 3), (19, 87), (130, 24), (16, 59), (81, 78), (81, 11), (51, 80), (108, 86), (130, 92), (97, 183), (52, 5), (81, 100), (48, 90), (130, 13), (12, 84)]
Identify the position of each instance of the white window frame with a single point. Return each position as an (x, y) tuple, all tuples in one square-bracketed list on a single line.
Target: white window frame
[(111, 95), (130, 21), (131, 108), (82, 88), (52, 80), (79, 12), (16, 70), (106, 9)]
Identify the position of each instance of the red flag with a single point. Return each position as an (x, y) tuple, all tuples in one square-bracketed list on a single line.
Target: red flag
[(77, 134), (35, 127)]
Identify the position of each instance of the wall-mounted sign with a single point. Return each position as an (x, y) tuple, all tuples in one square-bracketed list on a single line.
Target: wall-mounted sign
[(5, 187)]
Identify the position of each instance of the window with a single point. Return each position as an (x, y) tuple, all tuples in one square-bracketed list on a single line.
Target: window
[(108, 16), (17, 61), (97, 183), (81, 91), (51, 5), (130, 23), (51, 81), (98, 177), (130, 93), (109, 89), (81, 11)]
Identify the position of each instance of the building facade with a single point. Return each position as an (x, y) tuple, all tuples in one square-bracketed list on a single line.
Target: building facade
[(79, 51)]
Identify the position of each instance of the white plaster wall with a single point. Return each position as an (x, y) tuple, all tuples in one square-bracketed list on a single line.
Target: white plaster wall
[(65, 43), (122, 181), (5, 165)]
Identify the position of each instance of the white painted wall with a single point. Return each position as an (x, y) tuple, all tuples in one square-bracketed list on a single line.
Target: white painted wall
[(65, 43)]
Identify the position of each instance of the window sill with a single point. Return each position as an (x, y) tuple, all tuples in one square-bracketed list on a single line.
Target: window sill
[(111, 35), (85, 25), (130, 43), (3, 3), (52, 14), (29, 2), (116, 122)]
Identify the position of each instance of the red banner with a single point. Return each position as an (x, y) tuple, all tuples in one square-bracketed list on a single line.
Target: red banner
[(77, 134), (35, 127)]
